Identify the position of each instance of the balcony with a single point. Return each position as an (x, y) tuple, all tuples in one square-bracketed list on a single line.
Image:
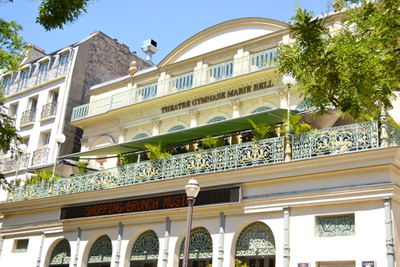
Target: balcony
[(49, 110), (314, 144), (40, 156), (28, 117), (10, 164), (219, 72), (35, 79)]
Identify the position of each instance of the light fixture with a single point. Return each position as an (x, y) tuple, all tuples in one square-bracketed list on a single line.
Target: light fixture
[(192, 190)]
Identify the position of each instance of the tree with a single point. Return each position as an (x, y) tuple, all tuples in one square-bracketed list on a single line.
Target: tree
[(9, 138), (352, 68), (55, 14), (12, 45)]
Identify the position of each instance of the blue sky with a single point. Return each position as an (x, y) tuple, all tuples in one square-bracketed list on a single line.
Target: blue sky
[(131, 22)]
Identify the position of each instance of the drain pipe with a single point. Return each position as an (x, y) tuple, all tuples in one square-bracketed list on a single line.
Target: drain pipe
[(389, 232), (166, 240), (1, 244), (286, 248), (78, 240), (40, 251), (118, 252), (221, 239)]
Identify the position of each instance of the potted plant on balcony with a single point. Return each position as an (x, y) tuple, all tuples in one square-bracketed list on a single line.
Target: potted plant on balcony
[(262, 130), (81, 165)]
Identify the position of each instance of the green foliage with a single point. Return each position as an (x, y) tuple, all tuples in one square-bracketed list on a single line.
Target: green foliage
[(54, 14), (211, 142), (157, 151), (41, 176), (350, 68), (82, 166), (9, 137), (12, 45), (239, 263), (295, 125), (262, 130), (127, 158)]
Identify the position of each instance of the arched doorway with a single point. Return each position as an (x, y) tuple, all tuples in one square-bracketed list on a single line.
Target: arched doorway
[(256, 246), (200, 253), (145, 250), (100, 253), (61, 255)]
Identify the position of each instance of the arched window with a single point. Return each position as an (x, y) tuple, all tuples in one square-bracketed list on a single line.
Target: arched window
[(176, 128), (256, 245), (61, 255), (256, 239), (140, 136), (100, 252), (201, 247), (145, 249), (260, 109), (216, 119)]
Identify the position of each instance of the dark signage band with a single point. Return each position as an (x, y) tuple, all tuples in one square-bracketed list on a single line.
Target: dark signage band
[(205, 197)]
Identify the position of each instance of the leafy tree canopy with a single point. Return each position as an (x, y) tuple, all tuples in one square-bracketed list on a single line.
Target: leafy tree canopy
[(54, 14), (353, 67), (9, 138), (11, 45)]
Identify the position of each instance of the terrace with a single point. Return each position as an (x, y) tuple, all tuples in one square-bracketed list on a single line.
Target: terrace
[(314, 144), (215, 73)]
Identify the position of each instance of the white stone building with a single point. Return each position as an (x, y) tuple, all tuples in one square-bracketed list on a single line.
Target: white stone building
[(41, 95), (329, 197)]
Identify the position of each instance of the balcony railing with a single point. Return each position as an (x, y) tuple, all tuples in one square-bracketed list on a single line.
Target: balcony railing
[(10, 164), (40, 156), (319, 143), (49, 110), (28, 116), (35, 79), (225, 70)]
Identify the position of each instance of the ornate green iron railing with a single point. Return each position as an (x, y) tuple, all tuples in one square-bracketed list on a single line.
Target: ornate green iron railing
[(219, 159), (318, 143), (222, 71)]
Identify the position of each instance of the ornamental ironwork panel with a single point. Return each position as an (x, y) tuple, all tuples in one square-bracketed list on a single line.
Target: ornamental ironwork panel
[(200, 244), (101, 250), (22, 245), (49, 110), (9, 164), (28, 116), (256, 239), (61, 253), (340, 225), (40, 156), (146, 247), (336, 140)]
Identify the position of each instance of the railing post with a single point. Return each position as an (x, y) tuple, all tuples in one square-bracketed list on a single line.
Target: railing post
[(384, 135)]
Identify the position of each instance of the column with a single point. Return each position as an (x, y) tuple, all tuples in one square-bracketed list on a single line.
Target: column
[(121, 134), (286, 247), (221, 239), (236, 107), (78, 241), (40, 251), (389, 232), (119, 240), (166, 238), (156, 126), (194, 117)]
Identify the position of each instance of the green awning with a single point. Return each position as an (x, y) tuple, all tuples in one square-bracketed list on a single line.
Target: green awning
[(184, 136)]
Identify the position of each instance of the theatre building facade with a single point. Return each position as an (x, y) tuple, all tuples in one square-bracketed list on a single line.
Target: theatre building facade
[(327, 197)]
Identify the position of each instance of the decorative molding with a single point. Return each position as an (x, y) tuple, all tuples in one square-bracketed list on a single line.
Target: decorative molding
[(236, 104), (156, 123), (194, 114), (122, 131)]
